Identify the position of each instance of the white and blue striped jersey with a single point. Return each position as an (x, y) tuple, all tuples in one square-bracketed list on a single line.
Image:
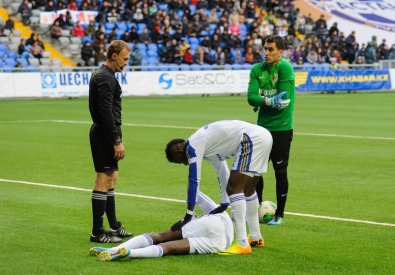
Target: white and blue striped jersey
[(222, 140)]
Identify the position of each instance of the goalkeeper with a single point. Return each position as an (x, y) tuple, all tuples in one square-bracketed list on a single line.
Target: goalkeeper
[(271, 90), (211, 233)]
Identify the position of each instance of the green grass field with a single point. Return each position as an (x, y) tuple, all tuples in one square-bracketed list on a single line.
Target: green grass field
[(339, 216)]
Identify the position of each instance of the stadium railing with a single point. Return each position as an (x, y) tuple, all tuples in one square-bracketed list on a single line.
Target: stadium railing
[(383, 64)]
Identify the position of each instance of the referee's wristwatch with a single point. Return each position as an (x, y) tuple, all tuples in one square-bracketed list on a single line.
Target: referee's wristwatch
[(117, 143)]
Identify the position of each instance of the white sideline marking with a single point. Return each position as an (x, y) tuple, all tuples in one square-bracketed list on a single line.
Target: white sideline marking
[(188, 127), (183, 201)]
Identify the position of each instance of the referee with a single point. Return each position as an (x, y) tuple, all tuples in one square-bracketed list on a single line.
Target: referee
[(106, 141)]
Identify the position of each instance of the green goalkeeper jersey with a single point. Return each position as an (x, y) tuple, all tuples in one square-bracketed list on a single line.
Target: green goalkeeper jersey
[(268, 81)]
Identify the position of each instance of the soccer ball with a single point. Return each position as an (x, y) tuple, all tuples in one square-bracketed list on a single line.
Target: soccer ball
[(266, 211)]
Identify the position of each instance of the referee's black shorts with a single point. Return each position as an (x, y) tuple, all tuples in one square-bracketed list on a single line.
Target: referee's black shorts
[(102, 148), (281, 147)]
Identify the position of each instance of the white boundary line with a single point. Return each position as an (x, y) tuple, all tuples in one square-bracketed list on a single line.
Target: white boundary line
[(182, 201), (188, 127)]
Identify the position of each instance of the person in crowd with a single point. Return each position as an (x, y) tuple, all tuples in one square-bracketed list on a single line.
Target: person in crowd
[(87, 52), (99, 42), (134, 36), (188, 58), (183, 47), (90, 29), (78, 30), (40, 41), (49, 6), (37, 51), (249, 56), (10, 23), (145, 38), (136, 56), (56, 30), (198, 56), (26, 12)]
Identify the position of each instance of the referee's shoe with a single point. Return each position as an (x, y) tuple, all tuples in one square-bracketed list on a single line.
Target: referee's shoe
[(105, 237), (120, 232)]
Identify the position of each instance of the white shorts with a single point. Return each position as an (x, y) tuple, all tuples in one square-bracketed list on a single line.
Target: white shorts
[(252, 156), (209, 234)]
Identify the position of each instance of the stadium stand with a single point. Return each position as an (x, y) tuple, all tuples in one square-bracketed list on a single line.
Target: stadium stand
[(255, 20)]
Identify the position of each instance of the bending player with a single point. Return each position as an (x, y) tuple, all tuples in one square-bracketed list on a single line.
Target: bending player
[(211, 233), (249, 145)]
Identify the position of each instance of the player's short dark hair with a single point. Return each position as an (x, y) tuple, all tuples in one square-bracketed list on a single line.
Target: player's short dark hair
[(116, 47), (171, 144), (278, 40)]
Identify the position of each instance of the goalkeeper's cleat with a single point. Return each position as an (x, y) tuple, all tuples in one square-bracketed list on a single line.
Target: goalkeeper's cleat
[(94, 251), (277, 220), (236, 249), (120, 232), (114, 254), (104, 237), (258, 243)]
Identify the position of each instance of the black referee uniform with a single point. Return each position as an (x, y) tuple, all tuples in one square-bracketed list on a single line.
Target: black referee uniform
[(105, 108)]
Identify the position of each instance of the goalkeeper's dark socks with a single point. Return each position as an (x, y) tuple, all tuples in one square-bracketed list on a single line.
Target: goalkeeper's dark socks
[(99, 200), (110, 210)]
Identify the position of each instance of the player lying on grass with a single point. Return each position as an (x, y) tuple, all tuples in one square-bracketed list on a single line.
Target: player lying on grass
[(211, 233)]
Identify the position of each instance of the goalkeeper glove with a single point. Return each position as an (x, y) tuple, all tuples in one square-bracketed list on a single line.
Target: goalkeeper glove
[(219, 209), (277, 101), (178, 225)]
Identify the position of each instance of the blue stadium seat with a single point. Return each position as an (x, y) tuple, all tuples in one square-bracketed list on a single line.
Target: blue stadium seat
[(2, 54), (246, 66), (131, 25), (213, 26), (193, 40), (144, 61), (204, 33), (162, 7), (237, 67), (12, 54), (152, 53), (86, 38), (3, 48), (192, 8), (152, 61), (194, 47), (180, 14), (32, 69), (173, 67), (109, 27), (195, 67), (243, 28), (212, 53), (206, 67), (163, 67), (8, 68), (23, 61), (185, 67), (10, 62), (152, 47), (141, 26), (228, 67), (131, 45), (122, 27), (141, 46)]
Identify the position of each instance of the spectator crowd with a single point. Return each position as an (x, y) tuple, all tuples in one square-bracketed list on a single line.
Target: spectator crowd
[(202, 32)]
